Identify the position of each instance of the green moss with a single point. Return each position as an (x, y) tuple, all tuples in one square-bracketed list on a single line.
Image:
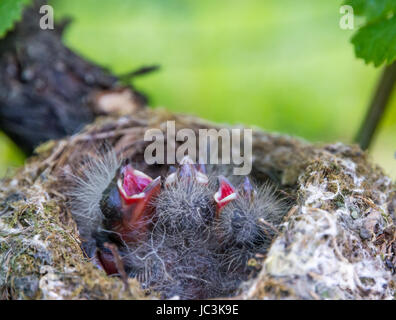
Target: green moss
[(47, 246)]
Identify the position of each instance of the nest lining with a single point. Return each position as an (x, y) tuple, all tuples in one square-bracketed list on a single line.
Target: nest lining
[(337, 241)]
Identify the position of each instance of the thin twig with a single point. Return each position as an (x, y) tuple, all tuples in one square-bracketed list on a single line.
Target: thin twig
[(139, 72), (119, 264), (262, 221), (377, 107)]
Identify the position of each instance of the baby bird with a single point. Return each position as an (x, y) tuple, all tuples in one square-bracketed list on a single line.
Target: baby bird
[(246, 220), (127, 210), (181, 259), (185, 203), (189, 235)]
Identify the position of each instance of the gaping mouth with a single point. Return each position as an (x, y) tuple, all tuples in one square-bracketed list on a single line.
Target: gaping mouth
[(132, 184), (170, 237), (225, 194), (137, 191)]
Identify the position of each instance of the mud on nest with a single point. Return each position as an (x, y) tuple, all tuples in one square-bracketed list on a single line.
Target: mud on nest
[(337, 241)]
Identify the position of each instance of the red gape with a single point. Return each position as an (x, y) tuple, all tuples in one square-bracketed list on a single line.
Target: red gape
[(225, 194), (137, 190), (133, 183)]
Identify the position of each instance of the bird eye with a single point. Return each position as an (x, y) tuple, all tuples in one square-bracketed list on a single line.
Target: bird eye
[(237, 220), (237, 225)]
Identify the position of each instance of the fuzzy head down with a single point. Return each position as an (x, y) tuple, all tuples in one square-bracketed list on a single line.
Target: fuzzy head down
[(190, 237)]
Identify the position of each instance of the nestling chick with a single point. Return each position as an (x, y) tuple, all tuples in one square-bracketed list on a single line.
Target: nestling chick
[(246, 220), (189, 237), (185, 203), (177, 256), (127, 210)]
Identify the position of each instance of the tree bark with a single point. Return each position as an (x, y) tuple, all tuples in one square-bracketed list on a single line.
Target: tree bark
[(47, 91)]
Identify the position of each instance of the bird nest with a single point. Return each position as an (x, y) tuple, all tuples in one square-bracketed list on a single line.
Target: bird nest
[(336, 241)]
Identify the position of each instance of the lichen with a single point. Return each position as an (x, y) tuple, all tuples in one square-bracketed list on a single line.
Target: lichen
[(40, 253), (323, 252), (338, 240)]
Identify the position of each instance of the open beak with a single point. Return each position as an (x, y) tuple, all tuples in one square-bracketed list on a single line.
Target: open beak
[(132, 183), (140, 209), (225, 194), (137, 191), (247, 190), (188, 170)]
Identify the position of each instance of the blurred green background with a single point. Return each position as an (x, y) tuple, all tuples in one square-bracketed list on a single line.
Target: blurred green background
[(285, 66)]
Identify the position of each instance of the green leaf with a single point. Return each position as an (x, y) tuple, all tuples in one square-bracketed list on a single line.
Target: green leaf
[(10, 12), (376, 9), (376, 42), (372, 9), (359, 6)]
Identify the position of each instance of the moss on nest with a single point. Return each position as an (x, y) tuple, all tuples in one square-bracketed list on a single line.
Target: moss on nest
[(338, 240)]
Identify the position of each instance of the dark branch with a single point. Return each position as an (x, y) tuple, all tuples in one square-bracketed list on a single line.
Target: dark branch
[(47, 91), (377, 107)]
